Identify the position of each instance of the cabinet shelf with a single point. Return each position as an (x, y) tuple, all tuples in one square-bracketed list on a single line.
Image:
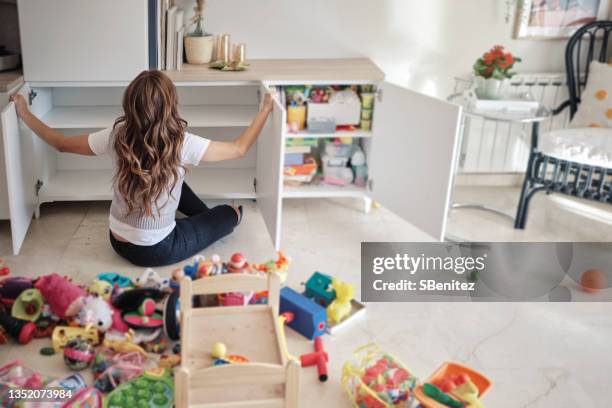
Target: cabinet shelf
[(85, 185), (99, 117), (345, 133), (323, 190)]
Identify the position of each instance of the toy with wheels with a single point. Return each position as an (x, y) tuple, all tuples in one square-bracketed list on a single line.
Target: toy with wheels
[(21, 330), (172, 309)]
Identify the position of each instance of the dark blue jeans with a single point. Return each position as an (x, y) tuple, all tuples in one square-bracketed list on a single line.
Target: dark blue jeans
[(201, 227)]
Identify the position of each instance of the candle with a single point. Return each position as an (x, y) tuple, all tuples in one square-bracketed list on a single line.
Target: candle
[(240, 53), (223, 47)]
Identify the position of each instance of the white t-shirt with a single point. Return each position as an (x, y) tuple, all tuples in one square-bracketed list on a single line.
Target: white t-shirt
[(144, 230)]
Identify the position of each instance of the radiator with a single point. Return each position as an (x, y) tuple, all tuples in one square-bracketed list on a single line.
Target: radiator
[(496, 147)]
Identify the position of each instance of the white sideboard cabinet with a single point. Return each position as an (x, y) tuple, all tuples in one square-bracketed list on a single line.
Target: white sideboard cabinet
[(411, 149)]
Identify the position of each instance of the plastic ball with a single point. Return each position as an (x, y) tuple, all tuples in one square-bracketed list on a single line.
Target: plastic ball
[(219, 350), (78, 354), (593, 280)]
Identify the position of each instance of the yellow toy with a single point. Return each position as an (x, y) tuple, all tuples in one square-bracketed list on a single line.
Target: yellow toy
[(280, 266), (340, 307), (101, 288), (126, 345), (63, 334)]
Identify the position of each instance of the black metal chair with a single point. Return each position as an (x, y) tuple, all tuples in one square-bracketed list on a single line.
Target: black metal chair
[(554, 175)]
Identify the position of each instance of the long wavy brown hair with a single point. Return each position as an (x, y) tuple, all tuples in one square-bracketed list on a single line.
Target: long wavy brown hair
[(148, 140)]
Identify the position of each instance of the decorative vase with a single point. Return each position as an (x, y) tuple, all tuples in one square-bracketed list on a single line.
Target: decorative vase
[(199, 49), (489, 88)]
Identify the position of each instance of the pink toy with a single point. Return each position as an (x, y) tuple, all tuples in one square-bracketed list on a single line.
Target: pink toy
[(118, 323), (64, 297)]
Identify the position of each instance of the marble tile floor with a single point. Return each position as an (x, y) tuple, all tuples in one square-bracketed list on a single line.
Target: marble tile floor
[(537, 355)]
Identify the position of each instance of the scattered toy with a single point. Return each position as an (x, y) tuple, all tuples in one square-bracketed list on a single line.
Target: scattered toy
[(101, 288), (28, 306), (151, 279), (96, 312), (64, 297), (318, 358), (154, 388), (21, 330), (340, 307), (78, 354), (219, 353), (319, 288), (309, 318), (63, 334)]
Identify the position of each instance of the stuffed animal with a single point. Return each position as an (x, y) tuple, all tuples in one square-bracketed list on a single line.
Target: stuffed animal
[(340, 307), (101, 288), (96, 312), (151, 279), (64, 297)]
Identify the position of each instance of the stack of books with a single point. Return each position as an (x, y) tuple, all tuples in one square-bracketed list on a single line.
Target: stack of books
[(167, 27), (300, 166)]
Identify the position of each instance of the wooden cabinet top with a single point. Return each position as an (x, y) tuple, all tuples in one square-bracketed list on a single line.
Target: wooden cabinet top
[(10, 79), (286, 70)]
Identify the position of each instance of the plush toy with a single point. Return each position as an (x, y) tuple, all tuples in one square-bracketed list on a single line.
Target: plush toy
[(65, 298), (340, 307), (96, 312), (151, 279), (101, 288)]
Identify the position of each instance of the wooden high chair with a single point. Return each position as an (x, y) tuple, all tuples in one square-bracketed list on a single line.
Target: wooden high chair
[(269, 380)]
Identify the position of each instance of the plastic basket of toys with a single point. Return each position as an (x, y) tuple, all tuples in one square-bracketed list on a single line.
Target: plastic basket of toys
[(375, 379)]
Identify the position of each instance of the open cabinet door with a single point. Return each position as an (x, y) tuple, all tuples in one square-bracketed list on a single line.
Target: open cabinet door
[(19, 172), (413, 156), (269, 174)]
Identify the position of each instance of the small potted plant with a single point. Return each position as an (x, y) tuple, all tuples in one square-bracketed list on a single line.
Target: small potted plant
[(492, 70), (199, 44)]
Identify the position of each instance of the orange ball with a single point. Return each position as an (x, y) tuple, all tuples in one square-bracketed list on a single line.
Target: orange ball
[(593, 280)]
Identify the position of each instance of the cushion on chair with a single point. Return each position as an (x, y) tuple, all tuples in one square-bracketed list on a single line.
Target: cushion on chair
[(595, 109), (592, 146)]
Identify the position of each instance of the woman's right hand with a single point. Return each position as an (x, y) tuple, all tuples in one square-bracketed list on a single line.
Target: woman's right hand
[(21, 106), (268, 102)]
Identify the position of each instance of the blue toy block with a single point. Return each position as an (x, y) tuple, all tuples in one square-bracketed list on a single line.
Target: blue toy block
[(309, 318)]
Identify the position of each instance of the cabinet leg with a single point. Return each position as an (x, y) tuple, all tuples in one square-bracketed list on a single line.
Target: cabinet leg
[(367, 205), (37, 211)]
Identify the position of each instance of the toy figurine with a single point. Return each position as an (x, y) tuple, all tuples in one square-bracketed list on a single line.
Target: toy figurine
[(341, 306), (125, 346), (78, 354), (65, 298), (238, 264), (318, 358)]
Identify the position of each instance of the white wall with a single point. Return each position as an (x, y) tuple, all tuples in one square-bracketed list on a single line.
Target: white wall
[(419, 44)]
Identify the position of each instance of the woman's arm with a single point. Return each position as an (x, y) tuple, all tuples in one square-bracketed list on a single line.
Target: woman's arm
[(73, 144), (219, 151)]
